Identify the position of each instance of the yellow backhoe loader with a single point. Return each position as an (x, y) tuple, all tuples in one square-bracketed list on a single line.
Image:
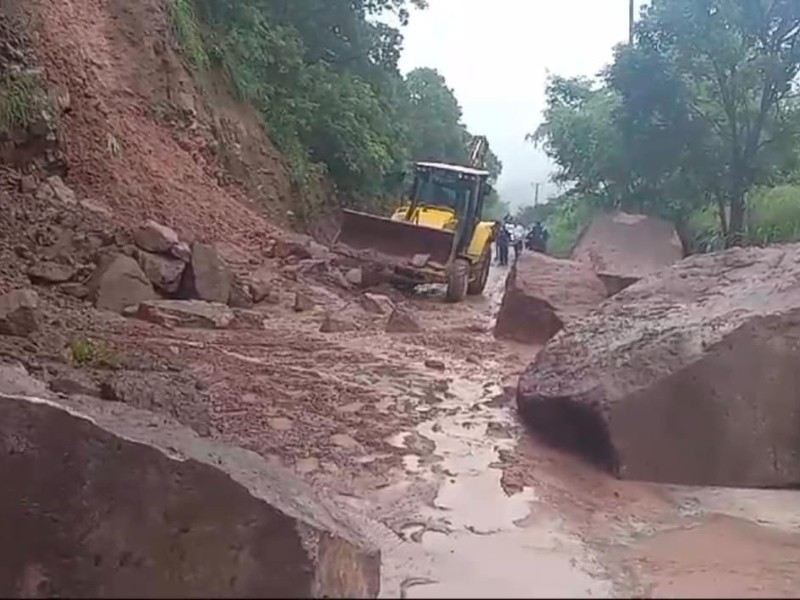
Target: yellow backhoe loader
[(437, 235)]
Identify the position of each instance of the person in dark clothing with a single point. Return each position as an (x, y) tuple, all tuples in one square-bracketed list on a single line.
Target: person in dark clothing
[(537, 238), (503, 241)]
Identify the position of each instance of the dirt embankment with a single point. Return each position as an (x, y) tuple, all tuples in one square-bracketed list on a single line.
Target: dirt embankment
[(143, 137)]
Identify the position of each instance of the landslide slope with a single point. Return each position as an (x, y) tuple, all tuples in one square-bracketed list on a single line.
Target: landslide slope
[(144, 138)]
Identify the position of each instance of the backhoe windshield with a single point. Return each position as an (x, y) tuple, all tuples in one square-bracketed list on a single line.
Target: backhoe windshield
[(438, 190)]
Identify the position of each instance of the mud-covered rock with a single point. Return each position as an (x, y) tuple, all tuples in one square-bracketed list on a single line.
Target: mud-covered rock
[(354, 276), (240, 296), (689, 377), (262, 284), (337, 323), (544, 294), (247, 319), (115, 501), (60, 191), (376, 304), (76, 290), (623, 248), (164, 272), (207, 277), (155, 237), (402, 321), (181, 251), (118, 282), (19, 313), (186, 313), (302, 302), (50, 272)]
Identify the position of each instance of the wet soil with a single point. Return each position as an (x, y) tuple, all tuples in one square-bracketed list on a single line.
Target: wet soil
[(419, 432)]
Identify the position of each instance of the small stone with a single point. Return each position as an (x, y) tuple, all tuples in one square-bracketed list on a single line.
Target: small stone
[(344, 441), (401, 321), (186, 313), (181, 251), (305, 466), (28, 184), (155, 237), (336, 324), (76, 290), (61, 191), (377, 304), (435, 363), (420, 260), (354, 277), (247, 319), (19, 313), (240, 296), (163, 272), (50, 272), (302, 303), (280, 423)]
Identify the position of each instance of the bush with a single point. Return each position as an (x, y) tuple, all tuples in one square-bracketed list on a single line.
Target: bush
[(565, 224), (22, 101), (774, 215)]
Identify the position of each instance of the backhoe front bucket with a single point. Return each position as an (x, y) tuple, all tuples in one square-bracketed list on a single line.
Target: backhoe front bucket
[(397, 239)]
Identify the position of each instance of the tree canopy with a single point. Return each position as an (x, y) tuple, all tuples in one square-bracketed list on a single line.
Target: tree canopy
[(324, 75), (697, 112)]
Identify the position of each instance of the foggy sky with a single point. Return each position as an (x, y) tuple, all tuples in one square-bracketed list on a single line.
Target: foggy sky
[(496, 55)]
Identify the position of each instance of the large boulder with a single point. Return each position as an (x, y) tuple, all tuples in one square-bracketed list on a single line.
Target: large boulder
[(19, 313), (543, 294), (118, 283), (688, 377), (113, 501), (207, 276), (623, 248)]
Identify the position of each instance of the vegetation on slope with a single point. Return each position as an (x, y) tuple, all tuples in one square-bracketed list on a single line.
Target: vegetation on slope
[(697, 118), (324, 75)]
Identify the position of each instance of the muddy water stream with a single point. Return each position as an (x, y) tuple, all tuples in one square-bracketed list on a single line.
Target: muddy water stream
[(473, 540)]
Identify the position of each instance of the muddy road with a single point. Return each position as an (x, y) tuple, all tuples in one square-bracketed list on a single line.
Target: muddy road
[(479, 509), (419, 431)]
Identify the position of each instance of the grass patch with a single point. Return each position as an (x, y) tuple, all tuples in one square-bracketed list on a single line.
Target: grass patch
[(87, 353), (21, 101), (186, 29)]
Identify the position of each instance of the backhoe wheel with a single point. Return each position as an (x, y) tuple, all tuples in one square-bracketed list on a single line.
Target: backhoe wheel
[(458, 280), (478, 284)]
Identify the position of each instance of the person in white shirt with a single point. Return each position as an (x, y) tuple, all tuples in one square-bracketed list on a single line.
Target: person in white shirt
[(518, 239)]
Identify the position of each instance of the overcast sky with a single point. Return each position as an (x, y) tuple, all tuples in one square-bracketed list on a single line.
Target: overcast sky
[(496, 55)]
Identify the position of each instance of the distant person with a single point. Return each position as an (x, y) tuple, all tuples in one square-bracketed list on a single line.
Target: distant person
[(518, 236), (503, 241)]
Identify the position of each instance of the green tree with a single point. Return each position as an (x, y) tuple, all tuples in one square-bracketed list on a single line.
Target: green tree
[(708, 86)]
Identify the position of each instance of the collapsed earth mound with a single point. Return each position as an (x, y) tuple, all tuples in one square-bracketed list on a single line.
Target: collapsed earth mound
[(103, 500), (543, 294), (623, 248), (689, 378)]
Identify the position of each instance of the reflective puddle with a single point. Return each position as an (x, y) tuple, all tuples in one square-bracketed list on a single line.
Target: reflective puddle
[(473, 540)]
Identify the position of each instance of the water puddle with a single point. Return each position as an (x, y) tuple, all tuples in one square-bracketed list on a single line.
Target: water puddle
[(473, 540)]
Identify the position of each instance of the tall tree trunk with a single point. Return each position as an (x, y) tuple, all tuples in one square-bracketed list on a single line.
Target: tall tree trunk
[(736, 224)]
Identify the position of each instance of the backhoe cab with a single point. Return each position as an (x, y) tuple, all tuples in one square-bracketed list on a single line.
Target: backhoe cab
[(436, 235)]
